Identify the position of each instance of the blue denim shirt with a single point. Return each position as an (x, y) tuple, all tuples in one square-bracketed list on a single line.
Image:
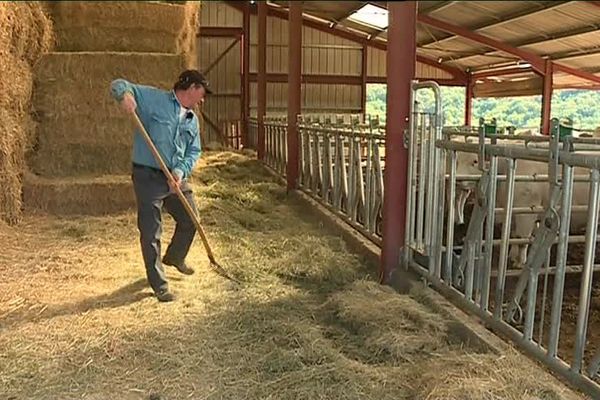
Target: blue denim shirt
[(176, 138)]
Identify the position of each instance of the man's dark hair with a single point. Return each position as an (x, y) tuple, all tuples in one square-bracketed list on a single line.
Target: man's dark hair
[(191, 77)]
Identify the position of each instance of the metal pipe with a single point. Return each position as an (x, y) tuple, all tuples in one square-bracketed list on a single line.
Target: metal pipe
[(568, 269), (261, 86), (547, 97), (450, 219), (498, 242), (431, 173), (536, 210), (294, 91), (518, 178), (421, 179), (411, 184), (561, 260), (489, 235), (504, 242), (586, 281), (589, 161)]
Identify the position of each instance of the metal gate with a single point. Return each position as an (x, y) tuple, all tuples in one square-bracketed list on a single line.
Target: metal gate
[(474, 273)]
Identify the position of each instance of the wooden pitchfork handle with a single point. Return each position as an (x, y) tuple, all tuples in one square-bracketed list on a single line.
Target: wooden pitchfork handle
[(188, 208)]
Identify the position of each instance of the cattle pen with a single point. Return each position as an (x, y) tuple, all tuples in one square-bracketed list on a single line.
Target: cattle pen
[(374, 257)]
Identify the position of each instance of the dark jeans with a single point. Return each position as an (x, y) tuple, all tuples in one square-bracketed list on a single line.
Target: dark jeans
[(152, 192)]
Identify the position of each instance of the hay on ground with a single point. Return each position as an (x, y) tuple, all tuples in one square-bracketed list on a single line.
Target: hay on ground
[(78, 320)]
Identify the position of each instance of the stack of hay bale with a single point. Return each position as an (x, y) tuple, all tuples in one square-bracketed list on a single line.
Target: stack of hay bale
[(82, 161), (25, 33)]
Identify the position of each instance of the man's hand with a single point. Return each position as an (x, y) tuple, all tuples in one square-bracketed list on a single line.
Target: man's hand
[(175, 183), (128, 103), (177, 178)]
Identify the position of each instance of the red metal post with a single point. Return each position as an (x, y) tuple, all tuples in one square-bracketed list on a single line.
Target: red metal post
[(547, 98), (294, 91), (469, 100), (245, 75), (401, 58), (261, 91)]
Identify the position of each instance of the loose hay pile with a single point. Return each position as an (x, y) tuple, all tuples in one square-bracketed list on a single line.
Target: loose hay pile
[(77, 319), (25, 33)]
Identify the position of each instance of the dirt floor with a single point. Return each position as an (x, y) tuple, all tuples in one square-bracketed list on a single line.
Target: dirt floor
[(77, 320)]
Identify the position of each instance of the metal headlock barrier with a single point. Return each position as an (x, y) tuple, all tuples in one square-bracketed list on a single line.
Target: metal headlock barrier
[(341, 166), (529, 193), (525, 301)]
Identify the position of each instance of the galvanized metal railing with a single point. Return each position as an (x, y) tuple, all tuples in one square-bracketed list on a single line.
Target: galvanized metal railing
[(475, 274), (341, 166), (276, 143), (253, 133)]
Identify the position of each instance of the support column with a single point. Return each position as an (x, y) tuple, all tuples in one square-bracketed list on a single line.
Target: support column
[(469, 99), (363, 89), (547, 97), (401, 59), (294, 91), (245, 74), (261, 90)]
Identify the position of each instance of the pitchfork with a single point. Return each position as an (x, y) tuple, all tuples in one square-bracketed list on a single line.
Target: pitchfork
[(188, 208)]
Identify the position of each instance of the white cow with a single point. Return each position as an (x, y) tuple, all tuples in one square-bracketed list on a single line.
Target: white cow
[(526, 194)]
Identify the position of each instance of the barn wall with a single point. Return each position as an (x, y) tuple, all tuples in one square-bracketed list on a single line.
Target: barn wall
[(323, 54)]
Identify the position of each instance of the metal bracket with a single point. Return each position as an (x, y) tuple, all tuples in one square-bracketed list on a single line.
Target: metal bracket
[(544, 236), (474, 231)]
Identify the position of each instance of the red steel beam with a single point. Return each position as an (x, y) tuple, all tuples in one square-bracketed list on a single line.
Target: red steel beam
[(469, 101), (576, 72), (547, 98), (294, 91), (245, 74), (344, 79), (262, 81), (501, 72), (536, 61), (342, 32), (401, 57), (219, 31)]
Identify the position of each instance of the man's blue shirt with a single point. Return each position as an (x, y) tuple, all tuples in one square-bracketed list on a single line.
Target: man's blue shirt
[(176, 137)]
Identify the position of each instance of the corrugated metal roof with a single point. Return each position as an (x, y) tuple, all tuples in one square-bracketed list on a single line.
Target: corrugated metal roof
[(561, 30)]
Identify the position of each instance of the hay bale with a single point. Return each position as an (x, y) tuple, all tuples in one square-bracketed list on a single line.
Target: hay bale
[(76, 84), (70, 196), (12, 145), (89, 67), (25, 33), (82, 129), (187, 40), (87, 128), (118, 26), (71, 159)]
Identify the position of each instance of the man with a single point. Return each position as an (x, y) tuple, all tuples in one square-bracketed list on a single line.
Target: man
[(173, 127)]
